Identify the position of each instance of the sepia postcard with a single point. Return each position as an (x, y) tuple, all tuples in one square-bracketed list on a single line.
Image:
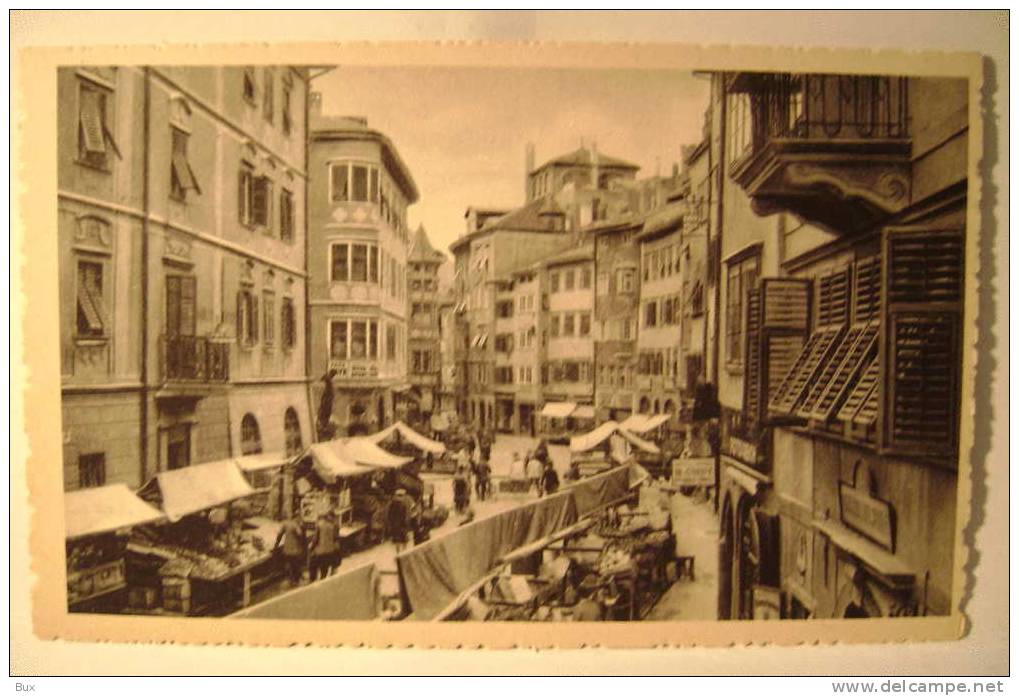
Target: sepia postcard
[(489, 345)]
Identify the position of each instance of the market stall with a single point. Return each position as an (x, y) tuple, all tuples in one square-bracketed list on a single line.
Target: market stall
[(608, 565), (96, 523), (607, 445), (326, 481), (212, 554), (652, 427), (554, 415), (264, 473)]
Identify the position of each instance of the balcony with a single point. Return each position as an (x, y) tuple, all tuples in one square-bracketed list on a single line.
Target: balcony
[(193, 362), (832, 149)]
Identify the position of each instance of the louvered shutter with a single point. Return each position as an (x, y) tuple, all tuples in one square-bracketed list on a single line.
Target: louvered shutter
[(188, 305), (752, 360), (260, 201), (91, 120), (923, 278)]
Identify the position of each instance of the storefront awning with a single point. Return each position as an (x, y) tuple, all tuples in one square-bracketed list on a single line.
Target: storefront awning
[(584, 411), (201, 487), (558, 409), (410, 435), (885, 563), (639, 442), (105, 509), (258, 462), (331, 461), (365, 452)]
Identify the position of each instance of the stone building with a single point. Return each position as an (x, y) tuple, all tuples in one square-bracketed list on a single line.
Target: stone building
[(424, 349), (182, 267), (842, 209), (360, 189)]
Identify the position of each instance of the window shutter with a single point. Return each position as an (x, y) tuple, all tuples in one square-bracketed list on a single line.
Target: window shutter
[(833, 298), (860, 408), (91, 119), (752, 361), (173, 297), (243, 197), (188, 289), (240, 316), (857, 347), (260, 201), (253, 325), (923, 284)]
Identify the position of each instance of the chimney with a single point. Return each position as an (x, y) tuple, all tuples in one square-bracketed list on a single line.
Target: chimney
[(315, 104), (594, 163)]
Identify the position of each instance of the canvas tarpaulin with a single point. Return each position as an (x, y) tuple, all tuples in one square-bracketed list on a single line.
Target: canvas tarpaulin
[(590, 440), (349, 596), (594, 492), (435, 573), (200, 487), (105, 509), (363, 451), (410, 435)]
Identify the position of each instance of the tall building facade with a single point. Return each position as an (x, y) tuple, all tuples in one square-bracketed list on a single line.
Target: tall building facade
[(358, 243), (842, 224), (424, 344), (182, 267)]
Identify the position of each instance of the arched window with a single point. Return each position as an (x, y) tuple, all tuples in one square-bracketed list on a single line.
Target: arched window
[(670, 407), (645, 405), (251, 438), (292, 432)]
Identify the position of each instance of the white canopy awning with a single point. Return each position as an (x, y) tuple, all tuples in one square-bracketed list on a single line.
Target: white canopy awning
[(588, 441), (558, 409), (365, 452), (105, 509), (639, 442), (584, 411), (642, 423), (410, 435), (332, 461), (258, 462), (200, 487)]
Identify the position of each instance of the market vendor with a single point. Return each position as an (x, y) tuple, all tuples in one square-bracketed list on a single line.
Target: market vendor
[(325, 548), (573, 474), (534, 470), (291, 536), (549, 480)]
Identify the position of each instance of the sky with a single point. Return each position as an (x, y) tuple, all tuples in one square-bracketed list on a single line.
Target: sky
[(463, 132)]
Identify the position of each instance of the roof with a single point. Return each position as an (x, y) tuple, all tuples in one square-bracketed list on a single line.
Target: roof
[(200, 487), (641, 423), (581, 253), (326, 128), (666, 219), (421, 248), (105, 509), (583, 157), (531, 217), (590, 440)]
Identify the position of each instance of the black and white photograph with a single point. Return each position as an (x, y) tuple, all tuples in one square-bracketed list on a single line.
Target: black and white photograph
[(434, 343)]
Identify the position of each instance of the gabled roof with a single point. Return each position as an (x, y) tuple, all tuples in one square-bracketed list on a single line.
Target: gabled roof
[(533, 216), (584, 252), (421, 248), (584, 157)]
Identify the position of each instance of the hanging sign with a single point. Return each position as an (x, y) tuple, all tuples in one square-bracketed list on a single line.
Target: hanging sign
[(693, 471), (870, 516)]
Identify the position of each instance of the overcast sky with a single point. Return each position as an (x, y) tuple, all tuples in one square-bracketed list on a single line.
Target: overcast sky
[(463, 132)]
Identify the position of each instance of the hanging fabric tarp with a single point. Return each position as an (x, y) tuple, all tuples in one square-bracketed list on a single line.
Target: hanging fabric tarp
[(365, 452), (590, 440), (105, 509), (200, 487), (332, 461), (349, 596), (410, 435), (594, 492), (435, 573), (558, 409)]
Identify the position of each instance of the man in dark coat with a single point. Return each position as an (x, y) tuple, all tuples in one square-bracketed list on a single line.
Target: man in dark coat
[(291, 537), (325, 546), (549, 479)]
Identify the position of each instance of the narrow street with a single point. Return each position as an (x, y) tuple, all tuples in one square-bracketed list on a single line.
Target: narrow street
[(697, 535)]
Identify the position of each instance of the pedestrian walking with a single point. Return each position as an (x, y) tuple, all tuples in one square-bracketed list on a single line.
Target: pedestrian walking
[(483, 482), (534, 469), (291, 538), (324, 548), (399, 518), (461, 490), (549, 480)]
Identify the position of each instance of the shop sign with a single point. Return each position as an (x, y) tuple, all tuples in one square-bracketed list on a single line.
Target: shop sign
[(870, 516), (354, 370), (92, 582), (693, 471), (740, 450), (767, 603)]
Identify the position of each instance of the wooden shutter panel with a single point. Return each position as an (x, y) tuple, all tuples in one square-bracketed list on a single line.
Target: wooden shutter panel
[(173, 314), (833, 298), (923, 276), (752, 360), (856, 349), (188, 305), (253, 326)]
